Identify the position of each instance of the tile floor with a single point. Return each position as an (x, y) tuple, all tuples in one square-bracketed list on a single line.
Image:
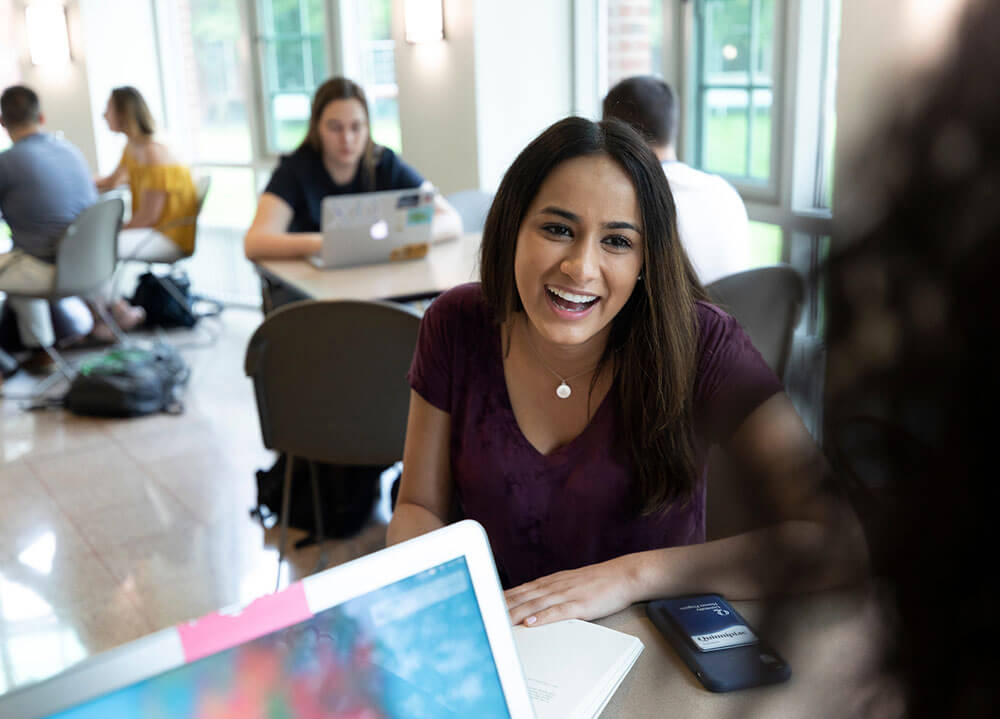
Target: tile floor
[(111, 529)]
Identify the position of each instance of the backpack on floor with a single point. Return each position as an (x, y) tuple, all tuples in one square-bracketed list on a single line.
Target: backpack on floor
[(128, 382), (168, 301), (346, 493)]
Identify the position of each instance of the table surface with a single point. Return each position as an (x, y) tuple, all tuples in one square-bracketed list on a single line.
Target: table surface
[(447, 264), (829, 639)]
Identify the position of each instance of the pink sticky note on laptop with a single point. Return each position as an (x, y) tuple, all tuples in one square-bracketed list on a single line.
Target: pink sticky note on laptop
[(229, 628)]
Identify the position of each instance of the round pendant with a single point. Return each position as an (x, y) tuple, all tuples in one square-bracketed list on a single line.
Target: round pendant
[(563, 391)]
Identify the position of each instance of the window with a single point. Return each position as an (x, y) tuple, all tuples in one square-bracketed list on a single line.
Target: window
[(734, 88), (760, 79), (369, 60), (291, 45), (828, 112), (216, 102)]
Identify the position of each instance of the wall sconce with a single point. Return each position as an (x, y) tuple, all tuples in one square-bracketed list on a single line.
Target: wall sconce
[(48, 32), (424, 20)]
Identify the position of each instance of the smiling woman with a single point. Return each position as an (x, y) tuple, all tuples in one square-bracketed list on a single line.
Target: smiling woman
[(595, 499)]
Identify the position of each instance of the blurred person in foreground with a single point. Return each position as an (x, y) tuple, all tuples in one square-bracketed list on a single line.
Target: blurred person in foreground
[(912, 382)]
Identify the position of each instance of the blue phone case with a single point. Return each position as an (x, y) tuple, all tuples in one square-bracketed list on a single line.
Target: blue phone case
[(722, 669)]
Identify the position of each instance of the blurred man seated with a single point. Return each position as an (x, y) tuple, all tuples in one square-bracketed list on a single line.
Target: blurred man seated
[(44, 184), (711, 218)]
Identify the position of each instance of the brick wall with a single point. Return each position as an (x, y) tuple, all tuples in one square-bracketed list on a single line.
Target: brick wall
[(629, 46)]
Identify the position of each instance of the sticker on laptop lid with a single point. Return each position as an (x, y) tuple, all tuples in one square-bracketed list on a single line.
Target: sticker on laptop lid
[(419, 215)]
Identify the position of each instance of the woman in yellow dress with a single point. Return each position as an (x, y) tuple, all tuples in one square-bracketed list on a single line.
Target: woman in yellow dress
[(164, 199)]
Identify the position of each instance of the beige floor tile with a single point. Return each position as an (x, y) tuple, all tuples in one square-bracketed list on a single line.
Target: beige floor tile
[(35, 434), (64, 579), (93, 478), (212, 568), (162, 442), (223, 551), (27, 520), (158, 514), (18, 479), (208, 484)]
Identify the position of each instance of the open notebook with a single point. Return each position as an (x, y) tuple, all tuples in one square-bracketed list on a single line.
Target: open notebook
[(573, 668)]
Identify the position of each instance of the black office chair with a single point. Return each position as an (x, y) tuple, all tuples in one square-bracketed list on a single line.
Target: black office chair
[(767, 302), (330, 383)]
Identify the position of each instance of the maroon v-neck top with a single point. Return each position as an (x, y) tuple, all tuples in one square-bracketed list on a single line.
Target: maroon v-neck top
[(570, 508)]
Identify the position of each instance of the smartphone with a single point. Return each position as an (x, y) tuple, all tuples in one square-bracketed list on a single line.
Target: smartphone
[(716, 643)]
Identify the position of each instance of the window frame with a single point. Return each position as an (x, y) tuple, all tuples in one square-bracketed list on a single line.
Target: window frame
[(792, 201), (693, 59), (252, 25)]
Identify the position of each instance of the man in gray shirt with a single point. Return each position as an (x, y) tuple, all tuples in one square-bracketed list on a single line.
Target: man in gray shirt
[(44, 185)]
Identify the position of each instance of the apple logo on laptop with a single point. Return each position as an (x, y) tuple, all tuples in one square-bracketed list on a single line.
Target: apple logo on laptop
[(380, 230)]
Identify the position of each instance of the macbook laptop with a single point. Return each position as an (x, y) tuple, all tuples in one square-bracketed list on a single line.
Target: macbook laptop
[(419, 629), (373, 227)]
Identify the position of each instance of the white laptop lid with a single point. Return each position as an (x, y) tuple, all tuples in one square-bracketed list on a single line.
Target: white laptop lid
[(372, 227), (416, 630)]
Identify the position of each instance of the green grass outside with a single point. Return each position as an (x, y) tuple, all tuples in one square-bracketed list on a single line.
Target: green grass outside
[(765, 243), (725, 144)]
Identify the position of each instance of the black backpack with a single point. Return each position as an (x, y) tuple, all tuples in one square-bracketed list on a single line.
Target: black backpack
[(346, 493), (129, 381), (168, 301)]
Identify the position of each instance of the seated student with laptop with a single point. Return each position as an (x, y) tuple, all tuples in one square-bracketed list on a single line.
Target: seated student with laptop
[(568, 402), (337, 157)]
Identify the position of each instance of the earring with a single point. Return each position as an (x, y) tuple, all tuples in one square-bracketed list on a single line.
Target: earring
[(639, 278)]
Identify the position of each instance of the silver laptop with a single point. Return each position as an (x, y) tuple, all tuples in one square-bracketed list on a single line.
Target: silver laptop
[(417, 630), (373, 227)]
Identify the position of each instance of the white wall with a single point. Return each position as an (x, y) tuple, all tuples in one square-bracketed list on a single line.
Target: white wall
[(437, 94), (62, 91), (121, 50), (470, 103), (524, 77)]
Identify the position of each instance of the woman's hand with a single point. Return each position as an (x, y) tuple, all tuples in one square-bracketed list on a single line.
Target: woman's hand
[(590, 592)]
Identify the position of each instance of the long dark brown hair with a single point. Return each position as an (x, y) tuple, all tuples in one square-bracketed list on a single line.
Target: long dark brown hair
[(340, 88), (132, 111), (654, 338)]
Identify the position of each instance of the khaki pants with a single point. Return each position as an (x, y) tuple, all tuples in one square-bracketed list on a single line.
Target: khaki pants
[(20, 272)]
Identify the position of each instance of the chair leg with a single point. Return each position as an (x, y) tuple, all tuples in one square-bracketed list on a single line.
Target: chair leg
[(286, 504), (318, 516), (64, 368), (110, 322), (36, 398)]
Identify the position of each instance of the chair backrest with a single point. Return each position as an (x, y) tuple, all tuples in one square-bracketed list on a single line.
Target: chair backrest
[(767, 301), (330, 379), (472, 206), (88, 250), (201, 187)]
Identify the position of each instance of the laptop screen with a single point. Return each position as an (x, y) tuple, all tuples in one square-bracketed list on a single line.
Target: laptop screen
[(413, 648)]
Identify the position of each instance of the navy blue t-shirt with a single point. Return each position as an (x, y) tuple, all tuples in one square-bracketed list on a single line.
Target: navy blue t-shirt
[(302, 181)]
